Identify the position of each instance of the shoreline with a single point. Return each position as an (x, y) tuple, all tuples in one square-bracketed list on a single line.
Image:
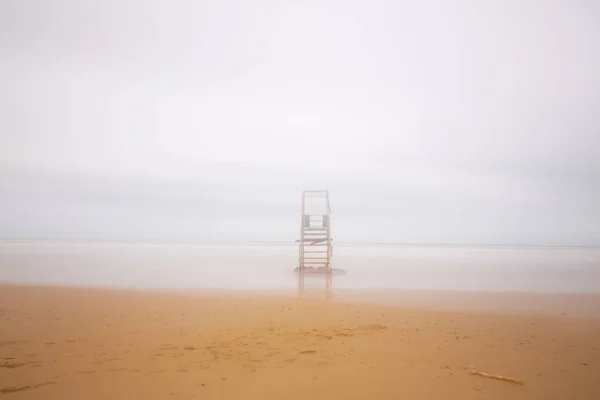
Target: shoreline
[(518, 303)]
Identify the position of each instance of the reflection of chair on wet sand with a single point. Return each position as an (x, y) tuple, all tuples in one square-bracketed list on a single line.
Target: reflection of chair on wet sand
[(315, 250)]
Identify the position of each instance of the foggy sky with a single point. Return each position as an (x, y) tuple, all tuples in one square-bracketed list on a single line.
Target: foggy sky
[(433, 121)]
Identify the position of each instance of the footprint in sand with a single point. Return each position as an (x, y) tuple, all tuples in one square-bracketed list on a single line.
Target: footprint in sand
[(14, 389), (86, 372)]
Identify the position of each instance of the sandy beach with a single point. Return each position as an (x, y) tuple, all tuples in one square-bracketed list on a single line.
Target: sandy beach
[(59, 343)]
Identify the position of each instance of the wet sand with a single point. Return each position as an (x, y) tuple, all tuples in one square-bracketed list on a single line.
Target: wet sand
[(62, 343)]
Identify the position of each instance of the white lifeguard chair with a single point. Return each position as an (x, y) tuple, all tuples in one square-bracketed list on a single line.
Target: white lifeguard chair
[(315, 250)]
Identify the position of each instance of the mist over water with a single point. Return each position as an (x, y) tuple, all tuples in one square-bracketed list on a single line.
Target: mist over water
[(428, 122), (270, 266)]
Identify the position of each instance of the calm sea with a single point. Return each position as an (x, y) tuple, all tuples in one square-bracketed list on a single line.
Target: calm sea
[(270, 266)]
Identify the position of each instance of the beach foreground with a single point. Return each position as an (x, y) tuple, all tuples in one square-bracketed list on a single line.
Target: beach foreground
[(59, 343)]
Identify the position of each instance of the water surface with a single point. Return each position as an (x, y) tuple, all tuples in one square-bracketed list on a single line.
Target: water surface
[(269, 266)]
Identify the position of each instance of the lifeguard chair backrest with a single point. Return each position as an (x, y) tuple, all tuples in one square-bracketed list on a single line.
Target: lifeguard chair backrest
[(306, 221), (326, 221)]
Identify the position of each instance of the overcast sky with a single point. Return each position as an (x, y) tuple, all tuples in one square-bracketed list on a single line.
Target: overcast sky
[(460, 121)]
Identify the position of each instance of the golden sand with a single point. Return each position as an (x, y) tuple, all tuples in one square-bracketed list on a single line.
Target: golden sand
[(66, 343)]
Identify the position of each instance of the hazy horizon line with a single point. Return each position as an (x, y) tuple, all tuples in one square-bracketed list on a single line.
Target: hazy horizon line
[(290, 242)]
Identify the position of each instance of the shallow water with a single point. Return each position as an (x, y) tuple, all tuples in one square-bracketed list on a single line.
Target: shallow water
[(269, 266)]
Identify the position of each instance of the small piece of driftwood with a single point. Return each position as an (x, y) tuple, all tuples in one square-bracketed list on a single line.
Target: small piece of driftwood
[(497, 377)]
